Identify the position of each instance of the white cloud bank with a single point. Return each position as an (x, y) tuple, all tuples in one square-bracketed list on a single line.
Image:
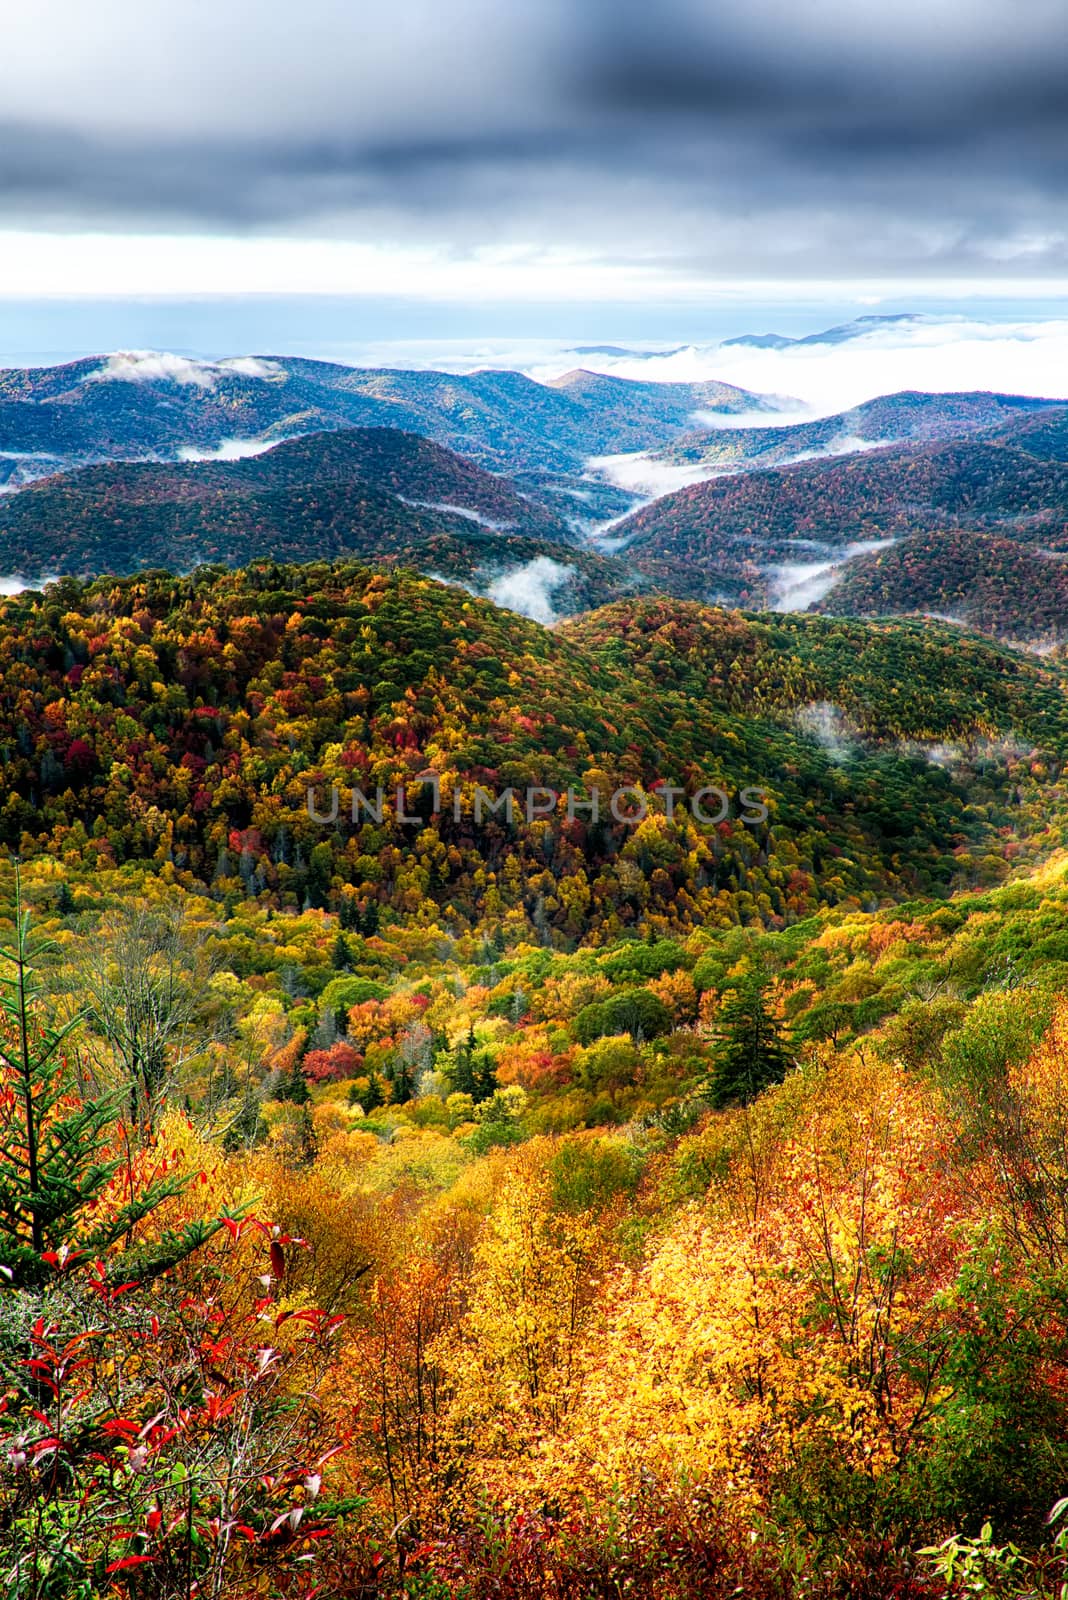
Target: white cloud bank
[(641, 474), (830, 727), (16, 585), (457, 511), (159, 366), (936, 354), (227, 450), (529, 589), (796, 585)]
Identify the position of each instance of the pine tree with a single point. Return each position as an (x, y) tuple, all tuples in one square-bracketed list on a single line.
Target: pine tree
[(750, 1053), (56, 1146), (484, 1075), (294, 1086), (463, 1073), (400, 1076)]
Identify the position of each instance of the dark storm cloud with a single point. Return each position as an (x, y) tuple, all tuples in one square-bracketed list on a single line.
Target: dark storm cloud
[(704, 134)]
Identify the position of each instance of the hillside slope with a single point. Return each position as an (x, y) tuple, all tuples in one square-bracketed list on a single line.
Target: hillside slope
[(364, 491), (879, 494), (746, 533), (182, 720), (987, 582), (891, 419), (138, 405)]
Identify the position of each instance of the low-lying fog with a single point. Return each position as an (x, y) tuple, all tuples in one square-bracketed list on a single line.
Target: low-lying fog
[(796, 585)]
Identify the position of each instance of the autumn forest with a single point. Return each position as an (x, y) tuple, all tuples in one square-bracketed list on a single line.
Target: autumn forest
[(434, 1203)]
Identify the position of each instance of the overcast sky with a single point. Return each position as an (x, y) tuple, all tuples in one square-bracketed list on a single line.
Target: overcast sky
[(521, 150)]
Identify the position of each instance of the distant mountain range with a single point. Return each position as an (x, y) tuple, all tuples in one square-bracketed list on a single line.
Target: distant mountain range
[(890, 419), (135, 406), (842, 334), (951, 504), (1011, 481)]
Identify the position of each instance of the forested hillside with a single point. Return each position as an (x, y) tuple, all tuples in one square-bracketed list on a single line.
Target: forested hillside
[(440, 1203), (984, 581), (364, 492), (185, 720), (971, 484)]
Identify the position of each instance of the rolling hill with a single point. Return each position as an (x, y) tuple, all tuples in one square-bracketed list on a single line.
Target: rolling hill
[(743, 532), (981, 580), (370, 491), (375, 494), (890, 419), (140, 405), (193, 715), (878, 494)]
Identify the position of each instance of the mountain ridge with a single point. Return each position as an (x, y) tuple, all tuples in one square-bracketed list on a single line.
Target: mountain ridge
[(144, 404)]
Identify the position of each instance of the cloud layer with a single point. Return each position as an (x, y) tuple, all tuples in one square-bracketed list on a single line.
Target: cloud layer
[(937, 354), (153, 366), (690, 138)]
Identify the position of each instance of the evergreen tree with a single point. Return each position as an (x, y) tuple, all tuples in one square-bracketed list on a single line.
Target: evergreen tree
[(309, 1143), (463, 1072), (341, 954), (56, 1146), (368, 1099), (400, 1075), (248, 1128), (750, 1053), (294, 1086), (484, 1077)]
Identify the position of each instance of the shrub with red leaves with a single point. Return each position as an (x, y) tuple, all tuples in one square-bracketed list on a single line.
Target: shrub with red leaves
[(165, 1439), (342, 1060)]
